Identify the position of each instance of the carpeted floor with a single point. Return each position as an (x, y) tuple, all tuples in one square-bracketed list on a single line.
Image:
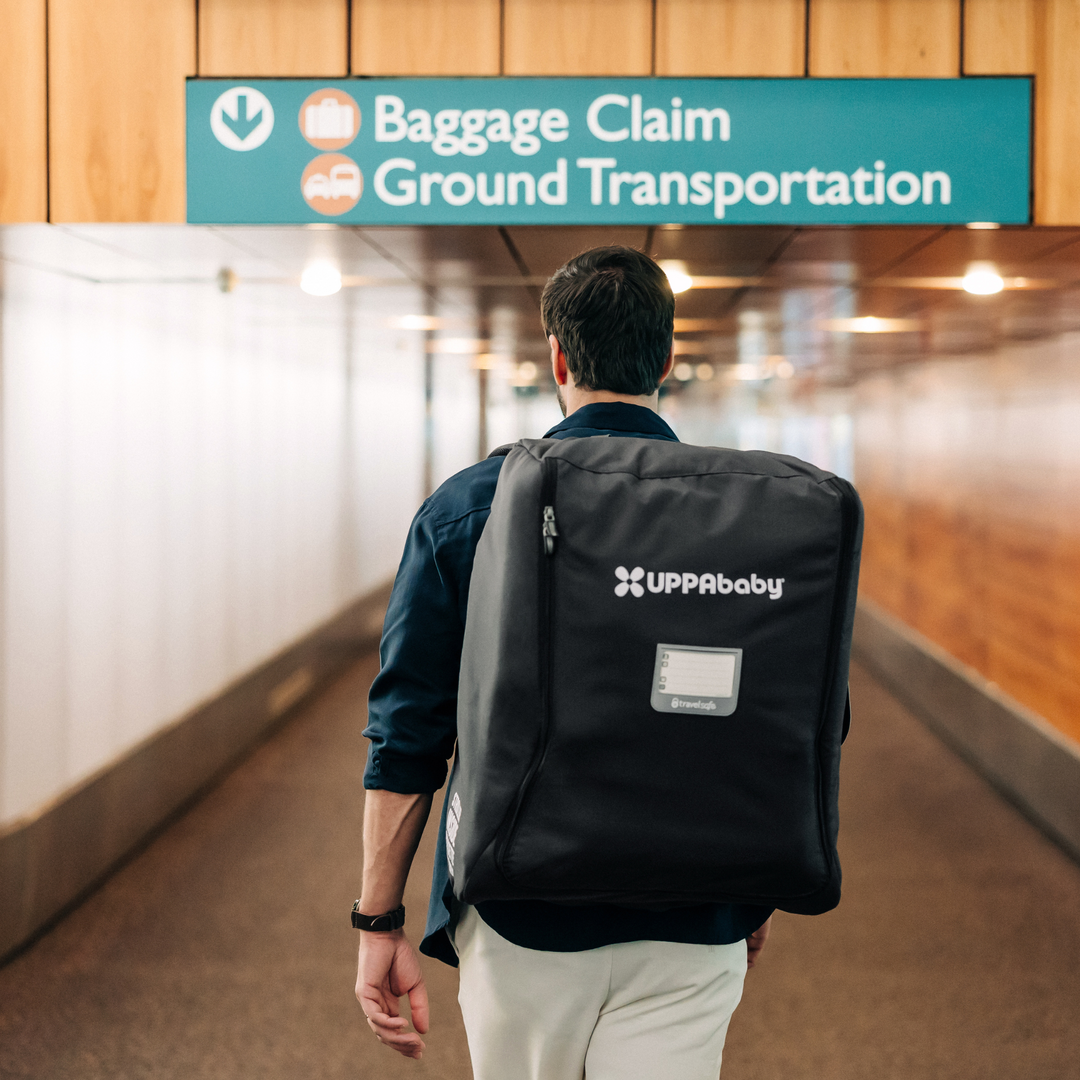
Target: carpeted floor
[(223, 950)]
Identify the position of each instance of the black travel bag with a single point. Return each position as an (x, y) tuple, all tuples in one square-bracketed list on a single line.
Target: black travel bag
[(653, 684)]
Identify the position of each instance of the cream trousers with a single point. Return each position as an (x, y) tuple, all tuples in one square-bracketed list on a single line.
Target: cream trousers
[(640, 1010)]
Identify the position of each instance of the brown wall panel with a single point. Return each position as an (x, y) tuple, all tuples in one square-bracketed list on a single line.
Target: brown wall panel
[(273, 37), (885, 38), (23, 158), (116, 108), (970, 475), (577, 37), (426, 37), (1057, 106), (730, 37), (999, 37)]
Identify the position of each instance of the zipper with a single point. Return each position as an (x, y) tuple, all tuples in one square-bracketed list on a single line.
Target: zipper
[(546, 655), (549, 531)]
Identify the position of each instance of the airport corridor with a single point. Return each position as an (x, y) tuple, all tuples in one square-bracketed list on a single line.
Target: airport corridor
[(223, 950)]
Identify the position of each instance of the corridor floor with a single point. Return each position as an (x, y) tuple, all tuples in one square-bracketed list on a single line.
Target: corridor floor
[(223, 950)]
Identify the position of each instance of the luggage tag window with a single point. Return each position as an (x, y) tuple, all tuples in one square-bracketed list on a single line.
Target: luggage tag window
[(696, 679)]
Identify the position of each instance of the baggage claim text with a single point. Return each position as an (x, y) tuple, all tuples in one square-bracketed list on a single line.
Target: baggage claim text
[(611, 118)]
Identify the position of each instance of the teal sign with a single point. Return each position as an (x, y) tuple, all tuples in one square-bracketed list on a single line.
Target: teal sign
[(608, 151)]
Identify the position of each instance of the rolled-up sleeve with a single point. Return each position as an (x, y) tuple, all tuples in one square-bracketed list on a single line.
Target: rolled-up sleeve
[(412, 706)]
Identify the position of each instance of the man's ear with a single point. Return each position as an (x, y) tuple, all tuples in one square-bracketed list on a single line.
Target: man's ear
[(558, 361), (669, 363)]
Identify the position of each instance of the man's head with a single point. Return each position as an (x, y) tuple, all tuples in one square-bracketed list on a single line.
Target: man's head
[(612, 313)]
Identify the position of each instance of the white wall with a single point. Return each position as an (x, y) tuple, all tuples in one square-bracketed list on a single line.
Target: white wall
[(191, 479)]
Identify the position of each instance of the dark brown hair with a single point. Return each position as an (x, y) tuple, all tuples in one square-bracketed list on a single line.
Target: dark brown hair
[(612, 311)]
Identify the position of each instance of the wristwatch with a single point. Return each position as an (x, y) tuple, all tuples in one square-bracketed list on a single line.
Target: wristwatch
[(390, 920)]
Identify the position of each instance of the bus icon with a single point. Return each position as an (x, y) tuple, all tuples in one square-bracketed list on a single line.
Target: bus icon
[(332, 184)]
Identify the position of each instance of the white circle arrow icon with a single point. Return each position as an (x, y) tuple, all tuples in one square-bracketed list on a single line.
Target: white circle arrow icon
[(242, 118)]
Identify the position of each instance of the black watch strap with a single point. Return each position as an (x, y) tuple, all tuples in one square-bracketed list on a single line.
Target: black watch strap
[(390, 920)]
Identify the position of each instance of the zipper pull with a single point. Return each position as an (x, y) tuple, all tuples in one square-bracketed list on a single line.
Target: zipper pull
[(549, 530)]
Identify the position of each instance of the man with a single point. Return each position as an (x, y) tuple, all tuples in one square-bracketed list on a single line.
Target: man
[(548, 992)]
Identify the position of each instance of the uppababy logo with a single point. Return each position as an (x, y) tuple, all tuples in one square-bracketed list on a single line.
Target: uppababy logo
[(668, 581), (629, 581)]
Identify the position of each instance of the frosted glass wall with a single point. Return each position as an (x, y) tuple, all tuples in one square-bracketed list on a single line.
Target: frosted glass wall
[(192, 478)]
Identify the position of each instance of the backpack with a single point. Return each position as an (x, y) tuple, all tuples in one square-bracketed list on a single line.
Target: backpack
[(653, 685)]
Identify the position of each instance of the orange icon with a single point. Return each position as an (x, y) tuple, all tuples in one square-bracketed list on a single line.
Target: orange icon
[(329, 119), (332, 184)]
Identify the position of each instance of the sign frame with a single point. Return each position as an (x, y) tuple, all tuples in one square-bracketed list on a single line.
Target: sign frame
[(610, 151)]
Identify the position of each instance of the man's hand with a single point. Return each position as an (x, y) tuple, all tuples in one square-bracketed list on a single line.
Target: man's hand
[(389, 968), (755, 943), (388, 965)]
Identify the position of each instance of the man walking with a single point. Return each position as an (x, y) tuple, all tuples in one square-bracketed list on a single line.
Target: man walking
[(548, 991)]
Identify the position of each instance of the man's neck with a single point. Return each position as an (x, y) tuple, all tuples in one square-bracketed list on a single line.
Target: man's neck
[(573, 399)]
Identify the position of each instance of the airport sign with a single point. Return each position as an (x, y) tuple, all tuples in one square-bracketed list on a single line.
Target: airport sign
[(586, 151)]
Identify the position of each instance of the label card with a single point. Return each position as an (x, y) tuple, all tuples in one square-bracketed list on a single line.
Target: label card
[(696, 679)]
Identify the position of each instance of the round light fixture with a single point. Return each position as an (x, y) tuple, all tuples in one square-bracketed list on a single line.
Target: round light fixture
[(982, 279), (683, 372), (321, 279), (868, 324), (678, 278)]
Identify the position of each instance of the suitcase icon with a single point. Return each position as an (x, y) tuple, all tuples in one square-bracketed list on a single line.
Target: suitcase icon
[(329, 119)]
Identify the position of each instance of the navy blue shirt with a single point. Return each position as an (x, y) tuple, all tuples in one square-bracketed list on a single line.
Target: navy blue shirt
[(412, 712)]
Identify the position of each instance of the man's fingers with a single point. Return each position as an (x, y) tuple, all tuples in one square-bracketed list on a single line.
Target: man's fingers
[(381, 1021), (418, 1006), (390, 1032), (373, 1002)]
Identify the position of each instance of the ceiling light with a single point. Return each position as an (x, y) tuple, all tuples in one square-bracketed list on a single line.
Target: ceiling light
[(870, 324), (867, 325), (745, 372), (321, 279), (415, 322), (982, 279), (678, 278), (683, 372), (705, 372)]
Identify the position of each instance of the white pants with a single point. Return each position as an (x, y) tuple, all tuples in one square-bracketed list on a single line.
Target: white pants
[(640, 1010)]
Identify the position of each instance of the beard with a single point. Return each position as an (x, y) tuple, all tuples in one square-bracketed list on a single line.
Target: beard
[(560, 399)]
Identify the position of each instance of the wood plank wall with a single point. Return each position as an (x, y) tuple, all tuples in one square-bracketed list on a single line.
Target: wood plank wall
[(897, 39), (969, 471), (116, 108), (435, 42), (24, 159), (113, 76), (287, 37)]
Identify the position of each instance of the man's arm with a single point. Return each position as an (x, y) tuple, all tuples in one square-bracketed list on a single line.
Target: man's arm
[(388, 966)]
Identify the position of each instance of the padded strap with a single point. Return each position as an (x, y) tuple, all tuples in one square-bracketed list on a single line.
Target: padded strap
[(502, 451)]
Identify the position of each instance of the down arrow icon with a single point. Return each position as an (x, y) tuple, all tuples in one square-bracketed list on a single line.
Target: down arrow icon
[(242, 118)]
